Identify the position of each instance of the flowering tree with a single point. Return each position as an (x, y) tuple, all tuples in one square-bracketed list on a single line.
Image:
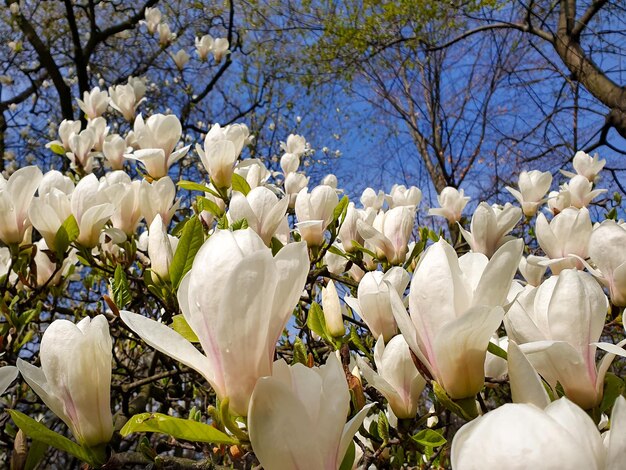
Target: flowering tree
[(153, 320)]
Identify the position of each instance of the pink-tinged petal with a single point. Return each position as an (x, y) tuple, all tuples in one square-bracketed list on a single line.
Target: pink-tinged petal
[(580, 426), (7, 375), (558, 361), (169, 342), (526, 385), (616, 452), (496, 280), (280, 428), (460, 349)]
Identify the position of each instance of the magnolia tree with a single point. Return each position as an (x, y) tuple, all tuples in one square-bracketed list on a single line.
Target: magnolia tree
[(250, 318)]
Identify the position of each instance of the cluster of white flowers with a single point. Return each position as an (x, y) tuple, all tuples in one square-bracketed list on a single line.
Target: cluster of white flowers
[(271, 243)]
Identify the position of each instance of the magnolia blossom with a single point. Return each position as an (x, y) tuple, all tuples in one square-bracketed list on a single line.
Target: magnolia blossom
[(222, 147), (47, 272), (254, 171), (262, 210), (557, 326), (330, 180), (558, 201), (451, 202), (289, 163), (314, 212), (157, 138), (373, 302), (294, 183), (181, 58), (91, 209), (390, 233), (396, 377), (114, 148), (348, 232), (607, 249), (581, 191), (66, 130), (400, 195), (522, 436), (161, 248), (48, 212), (80, 153), (295, 145), (332, 310), (126, 198), (372, 199), (297, 417), (94, 103), (16, 195), (453, 319), (153, 19), (586, 166), (166, 36), (125, 100), (220, 48), (490, 226), (74, 380), (533, 186), (565, 239), (234, 280), (100, 129), (158, 198), (204, 46)]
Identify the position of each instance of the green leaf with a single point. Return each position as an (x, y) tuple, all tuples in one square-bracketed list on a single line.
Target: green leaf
[(299, 353), (239, 224), (356, 340), (36, 451), (429, 438), (612, 214), (191, 186), (205, 204), (120, 288), (341, 209), (188, 245), (465, 408), (316, 322), (497, 350), (178, 428), (383, 427), (180, 326), (240, 184), (38, 432), (58, 149), (348, 460), (67, 233), (613, 388)]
